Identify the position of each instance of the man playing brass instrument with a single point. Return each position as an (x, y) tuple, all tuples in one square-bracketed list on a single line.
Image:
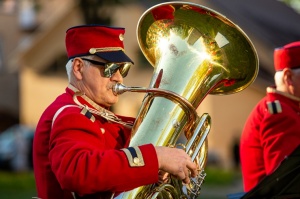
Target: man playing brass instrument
[(80, 147)]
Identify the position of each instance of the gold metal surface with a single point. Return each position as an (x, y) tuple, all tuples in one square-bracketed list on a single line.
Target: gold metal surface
[(195, 51)]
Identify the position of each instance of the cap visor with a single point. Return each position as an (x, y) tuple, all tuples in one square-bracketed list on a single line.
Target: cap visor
[(114, 56)]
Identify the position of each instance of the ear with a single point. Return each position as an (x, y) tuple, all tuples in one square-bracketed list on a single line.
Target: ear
[(77, 67), (287, 76)]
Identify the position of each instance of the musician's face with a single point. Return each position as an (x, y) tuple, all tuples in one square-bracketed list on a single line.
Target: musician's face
[(93, 83)]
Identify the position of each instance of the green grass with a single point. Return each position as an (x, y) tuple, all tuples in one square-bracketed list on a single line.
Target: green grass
[(218, 177), (22, 185), (17, 185)]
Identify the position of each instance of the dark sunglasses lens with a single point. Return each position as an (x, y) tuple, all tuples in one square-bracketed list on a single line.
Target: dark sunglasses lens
[(124, 69), (112, 68)]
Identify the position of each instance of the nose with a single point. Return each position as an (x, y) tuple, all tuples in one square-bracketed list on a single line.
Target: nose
[(117, 77)]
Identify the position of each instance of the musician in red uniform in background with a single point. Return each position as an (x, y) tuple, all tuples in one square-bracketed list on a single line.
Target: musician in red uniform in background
[(272, 130), (80, 147)]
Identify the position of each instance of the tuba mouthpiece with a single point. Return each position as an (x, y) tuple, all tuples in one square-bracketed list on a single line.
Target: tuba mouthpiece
[(118, 89)]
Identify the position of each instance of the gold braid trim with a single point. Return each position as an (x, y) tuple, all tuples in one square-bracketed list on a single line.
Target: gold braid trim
[(97, 110), (107, 49)]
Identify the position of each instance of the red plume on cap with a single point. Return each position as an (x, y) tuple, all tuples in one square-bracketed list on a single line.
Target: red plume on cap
[(287, 56), (103, 41)]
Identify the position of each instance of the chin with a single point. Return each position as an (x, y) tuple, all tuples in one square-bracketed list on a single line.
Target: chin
[(113, 102)]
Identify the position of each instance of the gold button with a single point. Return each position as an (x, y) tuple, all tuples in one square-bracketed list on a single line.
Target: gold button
[(92, 51), (102, 130), (121, 37), (136, 160)]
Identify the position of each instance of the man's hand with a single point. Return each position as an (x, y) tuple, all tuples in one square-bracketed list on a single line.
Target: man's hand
[(176, 162)]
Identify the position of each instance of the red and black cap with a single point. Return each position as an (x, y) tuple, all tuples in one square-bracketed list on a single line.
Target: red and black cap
[(103, 41), (287, 56)]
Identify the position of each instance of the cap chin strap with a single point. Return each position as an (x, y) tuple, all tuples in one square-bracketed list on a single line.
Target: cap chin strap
[(96, 109)]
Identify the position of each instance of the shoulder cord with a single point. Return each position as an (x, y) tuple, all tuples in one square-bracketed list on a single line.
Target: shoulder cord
[(98, 110)]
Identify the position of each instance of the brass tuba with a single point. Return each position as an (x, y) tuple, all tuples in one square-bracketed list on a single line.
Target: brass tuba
[(195, 51)]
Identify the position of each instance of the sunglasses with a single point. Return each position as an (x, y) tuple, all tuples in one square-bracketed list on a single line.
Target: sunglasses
[(112, 68)]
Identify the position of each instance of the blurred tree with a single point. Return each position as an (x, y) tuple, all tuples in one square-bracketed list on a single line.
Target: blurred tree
[(90, 10), (94, 11)]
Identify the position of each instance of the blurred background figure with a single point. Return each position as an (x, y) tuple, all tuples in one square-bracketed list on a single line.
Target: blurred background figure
[(236, 153), (16, 148), (272, 130)]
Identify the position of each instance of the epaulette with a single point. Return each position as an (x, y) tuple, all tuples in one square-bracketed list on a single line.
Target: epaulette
[(274, 107), (134, 156), (87, 113)]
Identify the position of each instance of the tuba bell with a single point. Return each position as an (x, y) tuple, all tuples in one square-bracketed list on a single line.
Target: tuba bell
[(195, 51)]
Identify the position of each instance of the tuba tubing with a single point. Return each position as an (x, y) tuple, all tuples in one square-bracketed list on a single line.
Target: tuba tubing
[(186, 105)]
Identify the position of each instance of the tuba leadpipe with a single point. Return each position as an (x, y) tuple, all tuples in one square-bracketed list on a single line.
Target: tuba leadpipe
[(186, 105), (195, 51)]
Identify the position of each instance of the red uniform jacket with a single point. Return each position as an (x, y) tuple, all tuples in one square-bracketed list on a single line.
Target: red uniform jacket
[(271, 133), (83, 156)]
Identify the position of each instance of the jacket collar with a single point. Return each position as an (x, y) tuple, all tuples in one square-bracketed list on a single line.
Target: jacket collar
[(273, 90)]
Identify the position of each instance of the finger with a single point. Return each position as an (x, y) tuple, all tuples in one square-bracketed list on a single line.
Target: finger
[(193, 169), (163, 176), (186, 180), (166, 177), (181, 174)]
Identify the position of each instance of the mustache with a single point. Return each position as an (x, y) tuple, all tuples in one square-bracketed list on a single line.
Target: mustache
[(111, 87)]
